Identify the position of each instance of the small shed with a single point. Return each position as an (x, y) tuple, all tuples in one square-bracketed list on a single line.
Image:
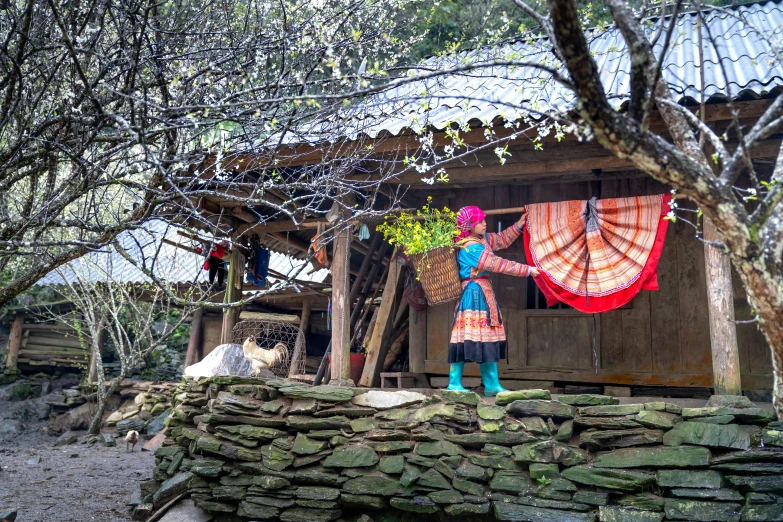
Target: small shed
[(37, 342)]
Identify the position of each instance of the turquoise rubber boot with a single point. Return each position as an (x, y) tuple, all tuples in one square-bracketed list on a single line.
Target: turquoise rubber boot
[(489, 377), (455, 377)]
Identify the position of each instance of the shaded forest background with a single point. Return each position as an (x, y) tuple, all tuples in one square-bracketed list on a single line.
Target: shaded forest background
[(454, 25)]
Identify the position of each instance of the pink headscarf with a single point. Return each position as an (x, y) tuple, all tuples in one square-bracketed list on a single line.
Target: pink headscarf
[(467, 218)]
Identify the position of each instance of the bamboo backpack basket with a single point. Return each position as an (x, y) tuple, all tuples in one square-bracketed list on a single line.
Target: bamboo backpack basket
[(439, 274)]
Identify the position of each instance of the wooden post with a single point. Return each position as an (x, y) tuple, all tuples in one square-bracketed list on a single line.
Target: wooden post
[(233, 293), (193, 355), (341, 311), (723, 331), (417, 341), (14, 342), (379, 342), (301, 338)]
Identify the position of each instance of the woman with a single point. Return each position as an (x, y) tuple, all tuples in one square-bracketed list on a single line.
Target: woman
[(477, 333)]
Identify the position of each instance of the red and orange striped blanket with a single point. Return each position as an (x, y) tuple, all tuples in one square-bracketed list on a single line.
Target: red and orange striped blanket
[(596, 255)]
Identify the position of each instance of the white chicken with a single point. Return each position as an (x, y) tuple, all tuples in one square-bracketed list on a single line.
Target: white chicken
[(261, 358), (131, 438)]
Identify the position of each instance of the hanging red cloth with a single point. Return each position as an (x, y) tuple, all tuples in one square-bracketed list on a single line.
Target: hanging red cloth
[(320, 259), (596, 255)]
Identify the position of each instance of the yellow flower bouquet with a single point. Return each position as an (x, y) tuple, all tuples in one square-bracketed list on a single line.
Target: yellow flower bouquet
[(430, 228), (428, 239)]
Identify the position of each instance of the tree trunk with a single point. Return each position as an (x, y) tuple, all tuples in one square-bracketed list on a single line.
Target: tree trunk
[(97, 418), (765, 296)]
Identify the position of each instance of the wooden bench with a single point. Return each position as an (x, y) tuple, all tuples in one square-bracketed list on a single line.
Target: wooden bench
[(403, 380)]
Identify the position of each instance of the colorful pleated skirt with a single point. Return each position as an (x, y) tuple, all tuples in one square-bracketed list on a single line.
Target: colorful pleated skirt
[(477, 333)]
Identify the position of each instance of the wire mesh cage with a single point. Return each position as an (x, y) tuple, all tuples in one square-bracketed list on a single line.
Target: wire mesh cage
[(280, 347)]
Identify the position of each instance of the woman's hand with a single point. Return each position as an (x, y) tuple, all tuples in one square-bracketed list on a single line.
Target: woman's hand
[(522, 220), (534, 271)]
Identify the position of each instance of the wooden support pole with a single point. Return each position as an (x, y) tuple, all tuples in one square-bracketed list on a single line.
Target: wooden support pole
[(193, 355), (233, 293), (417, 341), (379, 342), (14, 342), (301, 338), (723, 331), (341, 329)]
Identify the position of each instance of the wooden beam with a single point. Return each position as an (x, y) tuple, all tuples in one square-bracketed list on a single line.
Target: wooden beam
[(300, 351), (245, 215), (723, 330), (292, 241), (417, 340), (193, 354), (264, 316), (181, 246), (14, 342), (277, 226), (379, 342)]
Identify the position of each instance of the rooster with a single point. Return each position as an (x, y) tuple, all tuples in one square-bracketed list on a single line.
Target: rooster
[(261, 358), (131, 438)]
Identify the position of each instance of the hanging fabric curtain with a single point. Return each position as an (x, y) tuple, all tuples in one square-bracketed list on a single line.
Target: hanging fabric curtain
[(596, 255)]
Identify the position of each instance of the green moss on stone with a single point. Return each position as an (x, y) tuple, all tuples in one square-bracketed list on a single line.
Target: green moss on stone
[(507, 397), (655, 457)]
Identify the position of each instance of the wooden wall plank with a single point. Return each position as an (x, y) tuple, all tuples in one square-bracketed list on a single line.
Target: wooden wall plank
[(212, 325), (665, 310), (539, 342), (637, 349), (438, 331), (567, 341), (612, 340), (417, 342), (637, 342), (514, 320), (694, 314), (611, 322), (590, 331)]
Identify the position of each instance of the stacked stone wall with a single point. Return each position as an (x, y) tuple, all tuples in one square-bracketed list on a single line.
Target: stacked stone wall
[(247, 449)]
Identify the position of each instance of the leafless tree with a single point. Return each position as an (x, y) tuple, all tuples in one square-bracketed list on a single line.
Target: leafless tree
[(136, 318), (113, 111)]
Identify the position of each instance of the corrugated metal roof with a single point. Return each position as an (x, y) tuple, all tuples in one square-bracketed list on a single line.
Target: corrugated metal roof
[(739, 42), (166, 261)]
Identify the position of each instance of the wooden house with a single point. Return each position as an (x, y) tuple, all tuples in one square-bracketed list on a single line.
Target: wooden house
[(660, 338)]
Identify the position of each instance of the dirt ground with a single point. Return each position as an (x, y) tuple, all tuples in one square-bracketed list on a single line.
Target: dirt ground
[(70, 483)]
